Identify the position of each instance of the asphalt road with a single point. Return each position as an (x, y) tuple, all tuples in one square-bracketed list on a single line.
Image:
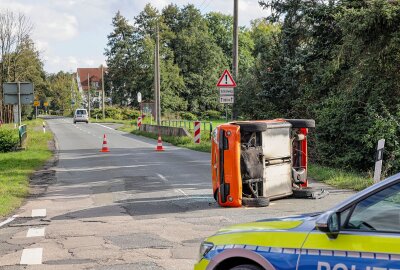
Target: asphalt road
[(132, 208)]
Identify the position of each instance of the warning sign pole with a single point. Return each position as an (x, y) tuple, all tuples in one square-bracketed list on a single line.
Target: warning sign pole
[(226, 85)]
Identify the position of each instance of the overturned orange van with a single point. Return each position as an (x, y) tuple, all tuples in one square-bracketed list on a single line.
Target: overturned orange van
[(253, 162)]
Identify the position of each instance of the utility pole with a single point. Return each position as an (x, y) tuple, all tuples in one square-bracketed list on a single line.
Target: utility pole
[(104, 94), (235, 47), (158, 78), (236, 39), (88, 84), (155, 85)]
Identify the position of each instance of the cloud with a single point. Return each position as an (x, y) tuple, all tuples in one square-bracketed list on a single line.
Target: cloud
[(89, 62), (71, 33), (61, 26), (41, 45), (72, 63), (49, 23)]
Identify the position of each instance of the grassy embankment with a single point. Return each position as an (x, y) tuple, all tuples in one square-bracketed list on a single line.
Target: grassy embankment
[(331, 176), (110, 120), (339, 178), (16, 167)]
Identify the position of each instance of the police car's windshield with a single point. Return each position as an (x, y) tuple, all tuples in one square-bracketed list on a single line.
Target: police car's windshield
[(380, 212)]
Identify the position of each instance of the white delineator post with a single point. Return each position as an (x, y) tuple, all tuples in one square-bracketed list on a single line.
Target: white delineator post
[(197, 131), (379, 160), (44, 127)]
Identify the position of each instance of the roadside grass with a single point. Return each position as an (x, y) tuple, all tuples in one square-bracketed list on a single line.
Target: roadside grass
[(110, 120), (16, 167), (339, 178)]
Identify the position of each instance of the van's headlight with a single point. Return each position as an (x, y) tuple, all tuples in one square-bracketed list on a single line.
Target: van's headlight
[(204, 249)]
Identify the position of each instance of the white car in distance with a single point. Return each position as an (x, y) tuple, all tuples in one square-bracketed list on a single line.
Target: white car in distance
[(81, 115)]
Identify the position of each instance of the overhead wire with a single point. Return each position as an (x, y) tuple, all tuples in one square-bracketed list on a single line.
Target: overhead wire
[(206, 6), (199, 7)]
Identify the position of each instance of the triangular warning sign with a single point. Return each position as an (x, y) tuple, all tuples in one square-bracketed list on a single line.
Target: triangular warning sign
[(226, 80)]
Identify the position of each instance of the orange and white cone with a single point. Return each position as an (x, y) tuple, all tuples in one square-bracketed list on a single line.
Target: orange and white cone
[(159, 144), (105, 149)]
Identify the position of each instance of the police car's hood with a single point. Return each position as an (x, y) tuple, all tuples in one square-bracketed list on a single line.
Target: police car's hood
[(287, 232), (293, 223)]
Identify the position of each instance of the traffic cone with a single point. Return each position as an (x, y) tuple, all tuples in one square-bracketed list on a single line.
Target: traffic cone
[(104, 149), (159, 144)]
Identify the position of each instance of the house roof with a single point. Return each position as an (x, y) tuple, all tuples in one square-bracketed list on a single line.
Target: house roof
[(94, 76)]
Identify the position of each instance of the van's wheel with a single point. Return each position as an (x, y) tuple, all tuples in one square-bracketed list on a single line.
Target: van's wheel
[(301, 123), (246, 267), (252, 126), (255, 202), (216, 195)]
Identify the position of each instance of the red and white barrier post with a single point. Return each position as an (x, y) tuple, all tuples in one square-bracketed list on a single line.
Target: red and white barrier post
[(139, 122), (197, 131)]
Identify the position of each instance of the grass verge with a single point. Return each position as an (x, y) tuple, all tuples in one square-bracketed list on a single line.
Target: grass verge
[(110, 120), (16, 167), (339, 178)]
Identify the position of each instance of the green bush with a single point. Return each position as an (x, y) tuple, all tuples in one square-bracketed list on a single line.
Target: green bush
[(211, 115), (187, 116), (116, 113), (9, 140), (130, 114)]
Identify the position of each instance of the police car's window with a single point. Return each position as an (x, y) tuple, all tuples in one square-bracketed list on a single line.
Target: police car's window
[(343, 216), (379, 212)]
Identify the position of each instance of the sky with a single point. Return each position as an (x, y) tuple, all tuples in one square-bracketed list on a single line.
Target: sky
[(73, 33)]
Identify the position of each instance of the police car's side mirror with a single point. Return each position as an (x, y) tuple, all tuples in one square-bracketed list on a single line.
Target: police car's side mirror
[(329, 223)]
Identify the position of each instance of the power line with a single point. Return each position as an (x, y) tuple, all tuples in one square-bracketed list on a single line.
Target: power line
[(206, 6), (201, 4)]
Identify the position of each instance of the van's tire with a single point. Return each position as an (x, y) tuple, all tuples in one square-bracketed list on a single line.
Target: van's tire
[(246, 267), (255, 202), (252, 126), (301, 123)]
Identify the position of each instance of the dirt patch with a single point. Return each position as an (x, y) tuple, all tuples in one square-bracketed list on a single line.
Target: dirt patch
[(41, 179)]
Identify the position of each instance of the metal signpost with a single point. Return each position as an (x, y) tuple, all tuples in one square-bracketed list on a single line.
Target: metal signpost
[(226, 85), (18, 93), (36, 103), (45, 104)]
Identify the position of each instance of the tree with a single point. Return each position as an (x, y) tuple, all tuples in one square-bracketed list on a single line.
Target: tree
[(62, 90), (15, 30), (120, 52)]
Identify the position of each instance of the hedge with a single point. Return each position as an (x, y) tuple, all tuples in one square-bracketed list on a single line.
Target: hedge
[(9, 139)]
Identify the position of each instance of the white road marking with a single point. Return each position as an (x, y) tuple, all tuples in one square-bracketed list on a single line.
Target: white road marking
[(35, 232), (39, 213), (105, 126), (8, 220), (181, 191), (163, 178), (101, 168), (31, 256)]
